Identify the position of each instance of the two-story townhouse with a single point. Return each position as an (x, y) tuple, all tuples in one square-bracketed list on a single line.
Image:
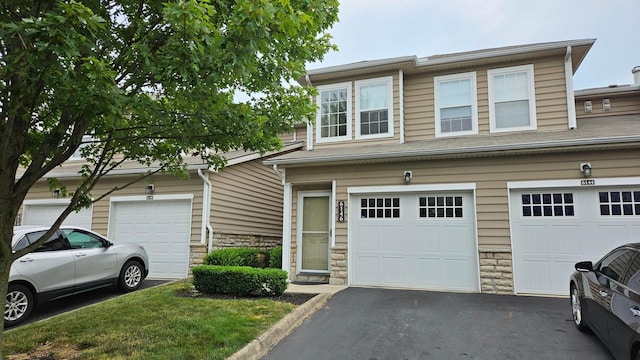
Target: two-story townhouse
[(481, 171), (177, 220)]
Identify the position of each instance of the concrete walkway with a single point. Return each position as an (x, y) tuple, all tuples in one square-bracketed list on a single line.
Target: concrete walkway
[(260, 346)]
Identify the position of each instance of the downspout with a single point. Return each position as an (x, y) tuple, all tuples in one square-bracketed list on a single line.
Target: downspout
[(309, 126), (571, 100), (401, 100), (279, 174), (206, 213)]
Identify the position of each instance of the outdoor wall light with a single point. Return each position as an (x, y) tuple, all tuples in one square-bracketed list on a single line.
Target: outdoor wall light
[(149, 189), (585, 168), (55, 194), (407, 177)]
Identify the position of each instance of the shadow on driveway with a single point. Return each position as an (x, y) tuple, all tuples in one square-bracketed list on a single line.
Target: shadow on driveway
[(360, 323), (51, 308)]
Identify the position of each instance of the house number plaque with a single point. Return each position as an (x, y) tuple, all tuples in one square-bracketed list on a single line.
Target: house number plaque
[(341, 211)]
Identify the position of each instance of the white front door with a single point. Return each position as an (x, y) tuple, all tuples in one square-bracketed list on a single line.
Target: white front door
[(552, 229), (314, 231), (418, 240)]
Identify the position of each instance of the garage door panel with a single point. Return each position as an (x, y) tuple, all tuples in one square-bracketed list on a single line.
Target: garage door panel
[(456, 240), (569, 240), (426, 242), (391, 238), (534, 240), (369, 236), (392, 270)]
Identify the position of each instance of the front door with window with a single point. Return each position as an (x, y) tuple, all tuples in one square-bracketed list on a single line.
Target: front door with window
[(314, 232)]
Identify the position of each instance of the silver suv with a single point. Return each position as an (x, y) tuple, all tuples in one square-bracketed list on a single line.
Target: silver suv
[(72, 261)]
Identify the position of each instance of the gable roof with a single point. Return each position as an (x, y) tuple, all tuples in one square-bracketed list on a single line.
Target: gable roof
[(70, 169), (608, 132), (413, 64)]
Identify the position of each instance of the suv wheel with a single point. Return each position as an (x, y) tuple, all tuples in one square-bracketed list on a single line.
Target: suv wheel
[(131, 276), (18, 306)]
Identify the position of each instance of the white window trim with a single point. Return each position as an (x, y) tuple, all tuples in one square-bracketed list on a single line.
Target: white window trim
[(474, 102), (532, 97), (319, 138), (381, 80)]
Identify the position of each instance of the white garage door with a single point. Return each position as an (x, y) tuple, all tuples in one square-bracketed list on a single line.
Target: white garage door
[(554, 229), (162, 226), (420, 241), (46, 214)]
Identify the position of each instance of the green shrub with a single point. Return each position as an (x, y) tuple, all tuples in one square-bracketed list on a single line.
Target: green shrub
[(239, 280), (275, 258), (233, 257)]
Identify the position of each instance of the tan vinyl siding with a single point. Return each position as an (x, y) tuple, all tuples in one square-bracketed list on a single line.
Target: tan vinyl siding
[(359, 142), (164, 185), (489, 174), (623, 104), (551, 99), (247, 199)]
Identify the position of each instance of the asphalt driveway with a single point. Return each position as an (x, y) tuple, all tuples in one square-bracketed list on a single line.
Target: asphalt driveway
[(377, 324)]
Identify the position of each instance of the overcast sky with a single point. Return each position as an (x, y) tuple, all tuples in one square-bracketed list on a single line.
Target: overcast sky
[(378, 29)]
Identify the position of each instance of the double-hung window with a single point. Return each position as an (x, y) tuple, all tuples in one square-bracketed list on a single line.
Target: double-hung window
[(512, 101), (456, 105), (334, 114), (374, 108)]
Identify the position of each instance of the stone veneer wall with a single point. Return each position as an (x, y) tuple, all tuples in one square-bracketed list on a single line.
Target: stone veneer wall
[(496, 272), (221, 240), (338, 266), (199, 251)]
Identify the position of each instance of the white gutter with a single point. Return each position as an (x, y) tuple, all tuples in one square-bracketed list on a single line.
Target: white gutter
[(401, 96), (571, 100), (206, 212)]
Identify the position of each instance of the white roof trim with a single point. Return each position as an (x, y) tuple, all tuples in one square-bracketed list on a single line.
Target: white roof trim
[(466, 150)]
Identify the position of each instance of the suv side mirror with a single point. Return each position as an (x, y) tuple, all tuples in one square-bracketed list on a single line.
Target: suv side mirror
[(584, 266)]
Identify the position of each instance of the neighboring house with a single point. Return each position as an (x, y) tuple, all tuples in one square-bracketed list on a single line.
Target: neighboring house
[(480, 171), (177, 220)]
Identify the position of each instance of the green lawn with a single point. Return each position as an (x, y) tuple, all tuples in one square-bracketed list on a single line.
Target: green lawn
[(149, 324)]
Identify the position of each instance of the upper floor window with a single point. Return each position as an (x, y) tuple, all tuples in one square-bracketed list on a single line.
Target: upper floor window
[(374, 108), (334, 115), (456, 106), (512, 101), (77, 155)]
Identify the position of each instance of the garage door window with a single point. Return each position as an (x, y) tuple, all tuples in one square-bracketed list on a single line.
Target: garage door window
[(547, 204), (616, 203), (440, 206), (380, 208)]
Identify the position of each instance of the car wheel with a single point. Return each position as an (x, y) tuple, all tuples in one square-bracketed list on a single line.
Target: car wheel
[(576, 309), (131, 276), (18, 306)]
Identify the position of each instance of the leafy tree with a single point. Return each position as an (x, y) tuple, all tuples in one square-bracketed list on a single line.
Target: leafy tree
[(148, 81)]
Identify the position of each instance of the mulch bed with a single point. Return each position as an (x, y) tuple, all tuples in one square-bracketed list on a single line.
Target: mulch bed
[(292, 298)]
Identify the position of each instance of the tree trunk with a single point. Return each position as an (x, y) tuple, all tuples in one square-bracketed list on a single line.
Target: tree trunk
[(5, 267)]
